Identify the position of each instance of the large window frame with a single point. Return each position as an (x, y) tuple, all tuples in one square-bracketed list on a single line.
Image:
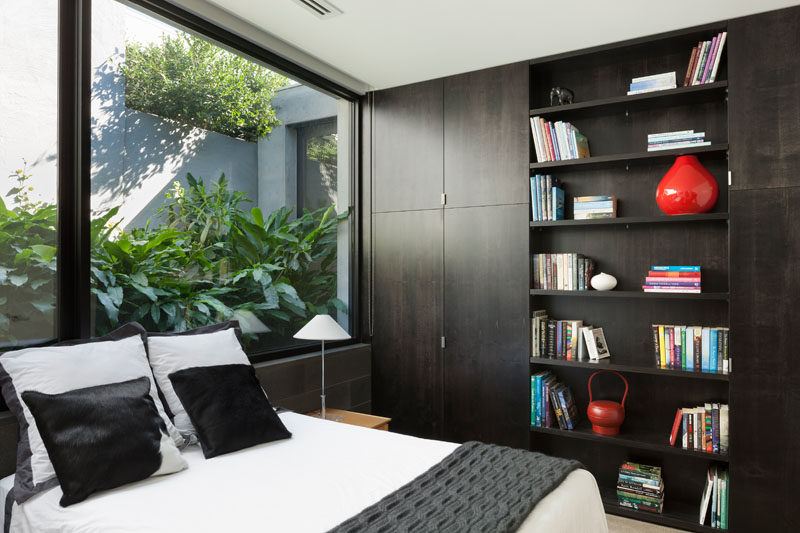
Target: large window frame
[(73, 296)]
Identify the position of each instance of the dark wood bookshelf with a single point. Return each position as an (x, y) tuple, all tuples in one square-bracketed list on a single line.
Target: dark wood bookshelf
[(634, 368), (658, 219), (681, 95), (676, 513), (635, 294), (617, 125), (631, 438), (616, 159)]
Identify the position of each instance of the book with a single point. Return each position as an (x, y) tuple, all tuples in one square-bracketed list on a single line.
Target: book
[(596, 343), (717, 56), (707, 69), (707, 494), (674, 268), (723, 429), (689, 67), (676, 425), (677, 146)]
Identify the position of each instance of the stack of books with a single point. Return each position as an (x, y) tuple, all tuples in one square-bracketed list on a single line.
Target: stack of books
[(561, 339), (671, 140), (640, 487), (703, 428), (547, 198), (562, 272), (557, 142), (552, 403), (589, 207), (692, 348), (669, 278), (704, 61), (715, 496), (656, 82)]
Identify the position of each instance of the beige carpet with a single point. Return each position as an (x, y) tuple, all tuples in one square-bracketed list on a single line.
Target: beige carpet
[(617, 524)]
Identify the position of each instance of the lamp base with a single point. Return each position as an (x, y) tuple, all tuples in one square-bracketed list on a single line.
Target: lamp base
[(328, 416)]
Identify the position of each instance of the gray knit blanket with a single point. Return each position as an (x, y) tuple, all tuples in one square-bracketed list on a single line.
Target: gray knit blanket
[(478, 487)]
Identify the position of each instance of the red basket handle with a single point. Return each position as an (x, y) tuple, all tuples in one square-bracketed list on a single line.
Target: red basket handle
[(620, 376)]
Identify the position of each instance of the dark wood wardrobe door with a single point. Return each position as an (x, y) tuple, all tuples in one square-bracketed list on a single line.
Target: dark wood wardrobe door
[(407, 328), (486, 136), (486, 325), (764, 99), (407, 140), (765, 409)]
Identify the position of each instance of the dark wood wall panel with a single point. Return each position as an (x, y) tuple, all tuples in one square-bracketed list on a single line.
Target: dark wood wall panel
[(765, 99), (407, 322), (486, 136), (765, 435), (486, 325), (407, 147)]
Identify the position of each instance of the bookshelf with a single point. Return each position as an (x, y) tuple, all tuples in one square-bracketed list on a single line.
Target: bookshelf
[(617, 126)]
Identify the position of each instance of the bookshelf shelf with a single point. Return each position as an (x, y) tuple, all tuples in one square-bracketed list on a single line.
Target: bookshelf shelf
[(617, 128), (659, 219), (629, 438), (677, 514), (682, 95), (588, 163), (635, 294), (637, 369)]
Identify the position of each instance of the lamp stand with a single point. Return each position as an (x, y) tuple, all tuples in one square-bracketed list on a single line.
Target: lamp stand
[(322, 414), (322, 397)]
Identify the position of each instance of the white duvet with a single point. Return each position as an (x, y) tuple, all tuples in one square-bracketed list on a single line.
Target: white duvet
[(326, 473)]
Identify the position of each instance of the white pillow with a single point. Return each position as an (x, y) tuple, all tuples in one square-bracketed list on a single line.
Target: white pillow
[(172, 353), (57, 369)]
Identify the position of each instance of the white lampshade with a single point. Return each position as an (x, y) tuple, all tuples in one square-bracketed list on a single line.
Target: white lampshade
[(322, 328)]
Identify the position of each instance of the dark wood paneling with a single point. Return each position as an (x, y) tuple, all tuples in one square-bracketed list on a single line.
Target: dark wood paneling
[(765, 99), (486, 136), (407, 147), (407, 323), (765, 251), (486, 325)]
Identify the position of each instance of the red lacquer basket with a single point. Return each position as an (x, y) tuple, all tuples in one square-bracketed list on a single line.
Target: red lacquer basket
[(606, 416)]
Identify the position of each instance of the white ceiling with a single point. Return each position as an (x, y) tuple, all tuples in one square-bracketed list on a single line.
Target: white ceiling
[(388, 43)]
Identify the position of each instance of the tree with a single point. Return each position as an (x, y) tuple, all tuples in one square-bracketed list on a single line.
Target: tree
[(193, 81)]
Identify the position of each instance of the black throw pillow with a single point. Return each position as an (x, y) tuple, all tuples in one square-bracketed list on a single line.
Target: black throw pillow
[(227, 407), (102, 437)]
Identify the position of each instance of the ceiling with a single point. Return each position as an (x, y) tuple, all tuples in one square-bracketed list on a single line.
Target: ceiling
[(388, 43)]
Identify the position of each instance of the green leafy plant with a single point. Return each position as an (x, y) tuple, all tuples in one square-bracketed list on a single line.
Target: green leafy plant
[(206, 261), (193, 81), (27, 264)]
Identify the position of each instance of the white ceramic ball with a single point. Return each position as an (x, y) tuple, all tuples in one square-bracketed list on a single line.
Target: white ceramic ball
[(603, 282)]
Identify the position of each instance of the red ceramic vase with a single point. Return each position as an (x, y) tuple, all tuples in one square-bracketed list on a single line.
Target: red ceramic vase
[(687, 188)]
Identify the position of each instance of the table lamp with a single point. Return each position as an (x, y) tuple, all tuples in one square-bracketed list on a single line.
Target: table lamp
[(322, 328)]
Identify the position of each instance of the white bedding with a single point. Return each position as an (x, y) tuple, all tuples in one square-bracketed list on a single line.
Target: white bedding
[(326, 473)]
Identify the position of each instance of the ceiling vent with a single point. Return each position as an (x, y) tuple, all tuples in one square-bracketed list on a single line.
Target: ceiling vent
[(320, 8)]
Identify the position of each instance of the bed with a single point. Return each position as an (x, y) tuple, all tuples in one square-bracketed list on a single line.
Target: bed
[(326, 473)]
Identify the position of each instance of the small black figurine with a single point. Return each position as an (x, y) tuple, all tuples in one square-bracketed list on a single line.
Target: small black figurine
[(562, 94)]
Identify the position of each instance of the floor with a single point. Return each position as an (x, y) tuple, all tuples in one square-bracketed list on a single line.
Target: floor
[(617, 524)]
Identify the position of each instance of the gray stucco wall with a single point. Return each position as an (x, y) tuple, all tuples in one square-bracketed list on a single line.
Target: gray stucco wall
[(277, 153)]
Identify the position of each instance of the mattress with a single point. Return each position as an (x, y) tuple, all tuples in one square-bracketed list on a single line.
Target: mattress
[(326, 473)]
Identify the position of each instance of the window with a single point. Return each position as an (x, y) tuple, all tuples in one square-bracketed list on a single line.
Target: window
[(201, 211), (162, 183), (28, 153)]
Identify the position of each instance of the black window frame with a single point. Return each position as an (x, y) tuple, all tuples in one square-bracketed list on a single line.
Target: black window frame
[(73, 295)]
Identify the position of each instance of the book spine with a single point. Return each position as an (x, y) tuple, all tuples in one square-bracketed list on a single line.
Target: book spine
[(656, 345), (533, 400), (675, 268), (707, 428), (718, 55), (673, 274), (715, 428), (685, 428), (698, 349), (709, 61), (649, 488), (712, 350), (689, 68), (671, 351), (661, 348), (700, 63)]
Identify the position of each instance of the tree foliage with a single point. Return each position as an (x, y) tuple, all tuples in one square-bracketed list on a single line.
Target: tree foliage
[(206, 262), (193, 81)]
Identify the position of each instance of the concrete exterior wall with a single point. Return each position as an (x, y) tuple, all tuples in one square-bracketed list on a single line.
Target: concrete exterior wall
[(277, 172)]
